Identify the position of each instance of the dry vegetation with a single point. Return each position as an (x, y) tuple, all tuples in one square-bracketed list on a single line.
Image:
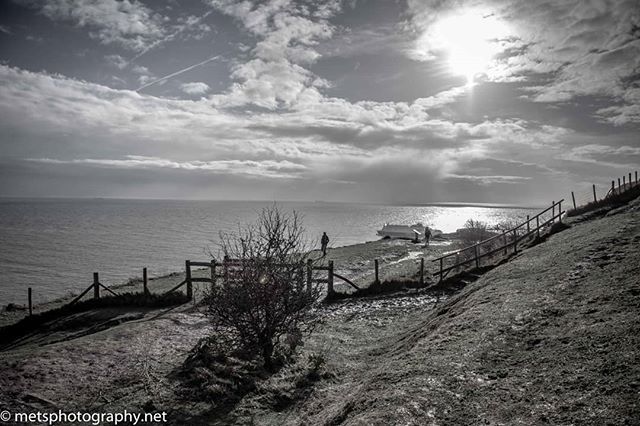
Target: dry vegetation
[(550, 337)]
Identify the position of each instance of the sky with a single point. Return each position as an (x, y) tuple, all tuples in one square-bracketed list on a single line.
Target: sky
[(377, 101)]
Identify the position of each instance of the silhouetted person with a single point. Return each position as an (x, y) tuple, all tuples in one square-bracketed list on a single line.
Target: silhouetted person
[(324, 241), (427, 236)]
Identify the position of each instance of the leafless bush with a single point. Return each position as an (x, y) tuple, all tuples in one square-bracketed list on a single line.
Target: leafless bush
[(474, 231), (263, 306)]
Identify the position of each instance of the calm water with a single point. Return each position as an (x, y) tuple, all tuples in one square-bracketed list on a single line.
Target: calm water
[(55, 245)]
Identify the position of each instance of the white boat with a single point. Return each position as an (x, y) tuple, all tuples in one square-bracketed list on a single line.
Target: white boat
[(409, 232)]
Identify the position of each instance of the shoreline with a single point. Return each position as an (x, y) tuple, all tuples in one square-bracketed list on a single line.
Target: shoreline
[(517, 329), (397, 259)]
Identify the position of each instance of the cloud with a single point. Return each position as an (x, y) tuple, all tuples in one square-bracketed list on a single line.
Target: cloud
[(625, 113), (127, 23), (116, 61), (263, 169), (195, 88), (623, 157), (572, 48), (275, 76)]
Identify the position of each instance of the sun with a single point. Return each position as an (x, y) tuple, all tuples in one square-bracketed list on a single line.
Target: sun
[(470, 40)]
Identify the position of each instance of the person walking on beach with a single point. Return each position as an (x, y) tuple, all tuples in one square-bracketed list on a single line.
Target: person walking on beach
[(427, 236), (324, 241)]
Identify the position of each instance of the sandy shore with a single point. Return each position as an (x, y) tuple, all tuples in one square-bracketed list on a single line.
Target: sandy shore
[(550, 337)]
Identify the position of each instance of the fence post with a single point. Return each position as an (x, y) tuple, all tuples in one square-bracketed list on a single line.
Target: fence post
[(528, 226), (375, 262), (213, 273), (309, 275), (553, 211), (613, 187), (504, 241), (629, 180), (515, 241), (560, 211), (145, 287), (475, 249), (187, 268), (595, 199), (538, 226), (300, 275), (624, 183), (636, 177), (30, 303), (619, 190), (96, 286), (422, 271), (573, 197), (330, 278)]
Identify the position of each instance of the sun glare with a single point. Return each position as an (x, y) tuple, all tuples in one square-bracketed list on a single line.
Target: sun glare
[(470, 40)]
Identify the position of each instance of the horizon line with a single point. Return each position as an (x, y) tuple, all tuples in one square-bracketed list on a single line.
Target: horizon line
[(398, 204)]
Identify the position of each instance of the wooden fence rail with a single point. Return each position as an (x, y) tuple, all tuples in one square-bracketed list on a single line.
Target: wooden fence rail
[(509, 240)]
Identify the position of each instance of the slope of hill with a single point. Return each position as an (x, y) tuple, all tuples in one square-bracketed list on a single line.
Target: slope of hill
[(552, 336)]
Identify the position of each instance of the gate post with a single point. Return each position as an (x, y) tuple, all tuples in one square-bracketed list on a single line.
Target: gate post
[(330, 279), (187, 267)]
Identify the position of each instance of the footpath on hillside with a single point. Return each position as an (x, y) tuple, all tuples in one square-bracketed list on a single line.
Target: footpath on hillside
[(550, 337)]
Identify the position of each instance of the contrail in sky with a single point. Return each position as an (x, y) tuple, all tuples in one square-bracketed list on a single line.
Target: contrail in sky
[(166, 77), (168, 38)]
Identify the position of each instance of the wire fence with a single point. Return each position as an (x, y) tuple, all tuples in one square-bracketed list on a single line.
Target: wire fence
[(593, 196)]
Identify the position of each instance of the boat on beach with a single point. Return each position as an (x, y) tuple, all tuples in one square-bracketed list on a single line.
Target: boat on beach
[(408, 232)]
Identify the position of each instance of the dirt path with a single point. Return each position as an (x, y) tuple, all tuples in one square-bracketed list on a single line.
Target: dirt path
[(551, 337)]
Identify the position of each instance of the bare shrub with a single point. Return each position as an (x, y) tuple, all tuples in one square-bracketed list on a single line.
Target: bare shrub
[(474, 231), (263, 306)]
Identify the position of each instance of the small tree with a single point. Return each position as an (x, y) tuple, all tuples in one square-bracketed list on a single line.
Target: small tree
[(262, 304)]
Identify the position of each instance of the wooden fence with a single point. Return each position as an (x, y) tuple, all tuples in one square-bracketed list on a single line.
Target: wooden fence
[(227, 269), (503, 243)]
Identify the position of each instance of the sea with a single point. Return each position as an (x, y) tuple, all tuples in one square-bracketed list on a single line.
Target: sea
[(54, 245)]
